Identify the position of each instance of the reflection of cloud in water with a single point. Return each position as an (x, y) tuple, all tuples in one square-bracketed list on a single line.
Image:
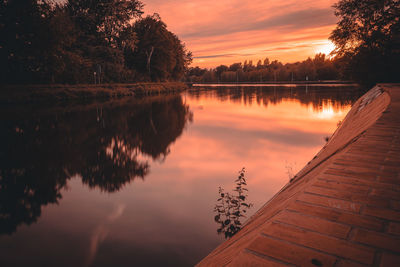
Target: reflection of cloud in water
[(116, 213), (101, 232), (339, 98), (288, 136)]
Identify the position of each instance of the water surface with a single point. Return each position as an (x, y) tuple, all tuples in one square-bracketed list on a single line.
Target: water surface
[(133, 182)]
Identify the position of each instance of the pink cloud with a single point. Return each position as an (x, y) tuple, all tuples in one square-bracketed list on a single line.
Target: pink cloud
[(223, 32)]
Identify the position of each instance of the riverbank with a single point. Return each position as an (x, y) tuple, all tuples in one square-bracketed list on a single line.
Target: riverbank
[(60, 92), (274, 83), (342, 208)]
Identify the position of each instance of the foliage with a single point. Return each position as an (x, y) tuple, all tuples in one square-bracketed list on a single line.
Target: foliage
[(159, 53), (318, 68), (23, 29), (45, 42), (105, 19), (231, 207), (367, 38)]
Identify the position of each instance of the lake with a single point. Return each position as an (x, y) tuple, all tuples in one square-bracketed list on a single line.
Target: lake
[(134, 181)]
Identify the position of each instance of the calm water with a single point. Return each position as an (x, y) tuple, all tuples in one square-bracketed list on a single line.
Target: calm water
[(134, 182)]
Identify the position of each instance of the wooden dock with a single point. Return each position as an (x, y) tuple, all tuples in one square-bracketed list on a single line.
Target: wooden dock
[(341, 209)]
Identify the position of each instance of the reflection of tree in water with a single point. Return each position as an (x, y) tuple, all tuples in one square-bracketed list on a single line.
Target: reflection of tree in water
[(317, 96), (41, 151)]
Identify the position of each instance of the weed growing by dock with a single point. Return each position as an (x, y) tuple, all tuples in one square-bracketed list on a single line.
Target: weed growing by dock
[(231, 207)]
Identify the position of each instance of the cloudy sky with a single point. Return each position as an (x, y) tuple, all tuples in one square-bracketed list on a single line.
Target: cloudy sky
[(228, 31)]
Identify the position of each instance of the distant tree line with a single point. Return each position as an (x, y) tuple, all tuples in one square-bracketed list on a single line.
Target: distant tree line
[(81, 41), (318, 68)]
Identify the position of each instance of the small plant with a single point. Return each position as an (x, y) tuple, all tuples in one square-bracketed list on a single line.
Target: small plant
[(231, 207)]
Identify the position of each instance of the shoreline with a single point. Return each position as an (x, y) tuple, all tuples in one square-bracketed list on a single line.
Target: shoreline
[(276, 83), (11, 94)]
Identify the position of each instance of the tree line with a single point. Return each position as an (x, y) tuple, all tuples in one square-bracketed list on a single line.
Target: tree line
[(318, 68), (86, 41)]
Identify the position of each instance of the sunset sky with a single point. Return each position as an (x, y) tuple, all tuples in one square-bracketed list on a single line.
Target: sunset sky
[(228, 31)]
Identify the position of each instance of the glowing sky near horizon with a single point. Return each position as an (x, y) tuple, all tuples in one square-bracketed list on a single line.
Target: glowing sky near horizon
[(228, 31)]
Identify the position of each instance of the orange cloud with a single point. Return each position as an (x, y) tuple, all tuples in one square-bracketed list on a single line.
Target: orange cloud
[(224, 32)]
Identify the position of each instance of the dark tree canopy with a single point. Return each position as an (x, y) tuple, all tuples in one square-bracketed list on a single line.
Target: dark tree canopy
[(44, 42), (23, 31), (159, 53), (368, 38), (106, 19)]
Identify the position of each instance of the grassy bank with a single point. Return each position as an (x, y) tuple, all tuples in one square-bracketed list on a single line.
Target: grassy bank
[(57, 92)]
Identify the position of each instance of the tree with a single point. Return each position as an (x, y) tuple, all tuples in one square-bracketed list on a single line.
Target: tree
[(104, 33), (235, 67), (368, 36), (306, 70), (24, 36), (266, 62), (159, 53), (107, 19), (220, 69), (259, 65), (45, 42)]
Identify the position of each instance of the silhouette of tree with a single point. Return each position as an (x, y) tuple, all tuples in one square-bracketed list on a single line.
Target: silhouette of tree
[(23, 31), (105, 19), (159, 53), (221, 69), (368, 36), (235, 66), (103, 32), (259, 64), (46, 42)]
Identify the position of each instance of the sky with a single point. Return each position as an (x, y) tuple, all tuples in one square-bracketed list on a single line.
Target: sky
[(228, 31)]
